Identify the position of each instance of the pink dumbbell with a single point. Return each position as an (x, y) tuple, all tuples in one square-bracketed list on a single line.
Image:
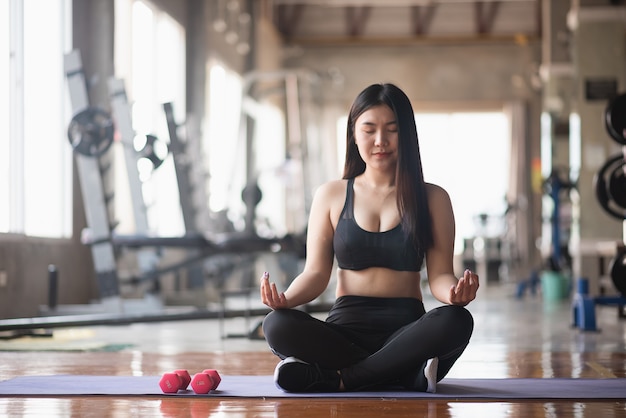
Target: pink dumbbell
[(175, 381), (206, 381), (215, 377)]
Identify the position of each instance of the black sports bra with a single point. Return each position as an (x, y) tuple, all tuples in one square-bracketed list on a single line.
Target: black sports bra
[(358, 249)]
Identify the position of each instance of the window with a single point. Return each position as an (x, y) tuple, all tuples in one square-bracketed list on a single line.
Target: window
[(36, 159), (5, 168), (225, 147), (152, 66), (468, 155)]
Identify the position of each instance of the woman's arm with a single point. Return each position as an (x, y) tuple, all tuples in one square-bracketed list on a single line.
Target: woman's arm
[(439, 259), (319, 258)]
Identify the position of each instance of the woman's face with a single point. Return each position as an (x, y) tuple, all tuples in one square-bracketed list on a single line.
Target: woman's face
[(376, 137)]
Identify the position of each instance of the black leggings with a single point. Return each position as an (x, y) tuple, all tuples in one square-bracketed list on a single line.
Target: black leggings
[(372, 341)]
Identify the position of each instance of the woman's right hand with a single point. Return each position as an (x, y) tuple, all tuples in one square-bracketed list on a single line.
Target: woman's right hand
[(270, 295)]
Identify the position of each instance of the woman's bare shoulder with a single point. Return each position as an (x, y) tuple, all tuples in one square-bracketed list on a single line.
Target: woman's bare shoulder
[(332, 188), (329, 198)]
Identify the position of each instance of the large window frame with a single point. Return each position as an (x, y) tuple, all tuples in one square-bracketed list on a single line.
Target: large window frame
[(150, 58), (35, 155)]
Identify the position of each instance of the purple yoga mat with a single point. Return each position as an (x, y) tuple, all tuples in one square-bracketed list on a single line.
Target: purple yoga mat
[(263, 387)]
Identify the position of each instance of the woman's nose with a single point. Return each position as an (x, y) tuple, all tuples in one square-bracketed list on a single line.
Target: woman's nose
[(381, 138)]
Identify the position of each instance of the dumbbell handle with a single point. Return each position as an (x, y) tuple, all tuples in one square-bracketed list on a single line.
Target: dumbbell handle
[(185, 377), (171, 383), (175, 381), (215, 377), (206, 381)]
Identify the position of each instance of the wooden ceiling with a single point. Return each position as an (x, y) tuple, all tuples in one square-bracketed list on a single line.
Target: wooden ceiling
[(400, 21)]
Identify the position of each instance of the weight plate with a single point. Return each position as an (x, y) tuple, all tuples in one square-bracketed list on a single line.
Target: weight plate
[(91, 132), (614, 206), (154, 150), (617, 267), (615, 119), (617, 185)]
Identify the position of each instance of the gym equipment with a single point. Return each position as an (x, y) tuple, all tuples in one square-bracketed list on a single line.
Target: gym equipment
[(584, 306), (90, 174), (170, 383), (184, 374), (215, 376), (610, 181), (192, 213), (617, 269), (609, 185), (53, 286), (205, 382), (105, 244), (554, 186), (297, 90), (228, 243), (91, 131), (615, 119), (85, 320), (175, 381), (147, 259), (153, 150)]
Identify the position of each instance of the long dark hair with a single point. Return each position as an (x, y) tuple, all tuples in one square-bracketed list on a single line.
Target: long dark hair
[(411, 195)]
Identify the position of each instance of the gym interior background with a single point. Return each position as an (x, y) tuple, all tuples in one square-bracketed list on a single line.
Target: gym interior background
[(258, 93), (158, 155)]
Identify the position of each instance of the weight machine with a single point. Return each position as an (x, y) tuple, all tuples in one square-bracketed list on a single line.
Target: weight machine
[(555, 186), (91, 133), (610, 190)]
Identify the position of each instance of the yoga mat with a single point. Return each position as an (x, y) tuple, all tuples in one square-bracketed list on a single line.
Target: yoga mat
[(263, 387)]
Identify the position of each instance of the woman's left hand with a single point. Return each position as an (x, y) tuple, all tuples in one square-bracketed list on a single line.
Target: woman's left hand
[(465, 289)]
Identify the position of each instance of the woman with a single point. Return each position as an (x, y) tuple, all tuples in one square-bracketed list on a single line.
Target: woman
[(381, 222)]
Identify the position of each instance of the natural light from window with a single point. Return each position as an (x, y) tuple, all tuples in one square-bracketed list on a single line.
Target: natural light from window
[(5, 172), (45, 146), (223, 144), (35, 156), (158, 73), (468, 155)]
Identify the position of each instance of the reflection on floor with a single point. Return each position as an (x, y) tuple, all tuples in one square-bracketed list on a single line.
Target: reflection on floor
[(513, 337), (503, 324)]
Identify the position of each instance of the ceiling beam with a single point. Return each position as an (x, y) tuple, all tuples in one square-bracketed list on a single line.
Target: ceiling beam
[(485, 13), (387, 3), (288, 18), (421, 18), (356, 19), (365, 41)]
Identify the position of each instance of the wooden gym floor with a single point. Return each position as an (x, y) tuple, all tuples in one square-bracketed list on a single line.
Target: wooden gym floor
[(513, 338)]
